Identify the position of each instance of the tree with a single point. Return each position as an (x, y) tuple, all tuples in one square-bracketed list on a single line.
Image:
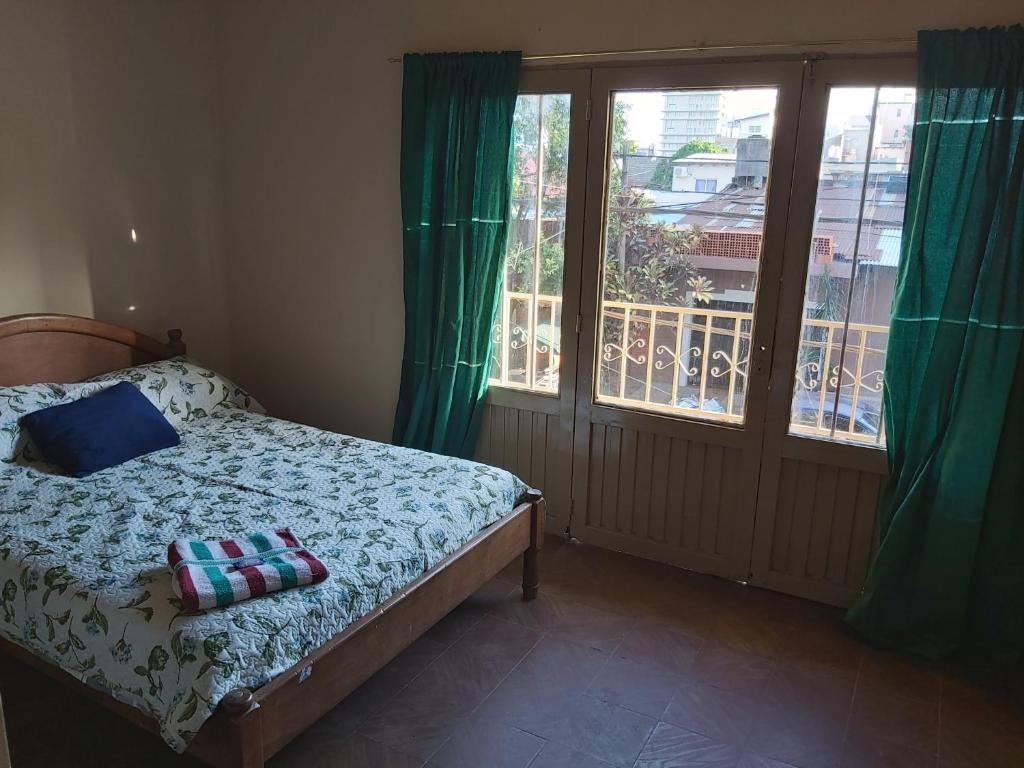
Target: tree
[(524, 191), (646, 261), (831, 307), (662, 178), (833, 299)]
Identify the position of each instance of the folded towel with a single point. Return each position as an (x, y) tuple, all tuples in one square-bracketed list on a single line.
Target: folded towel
[(209, 574)]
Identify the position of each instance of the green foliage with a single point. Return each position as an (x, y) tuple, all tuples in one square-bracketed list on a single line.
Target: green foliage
[(662, 178), (519, 259), (830, 291), (829, 306), (520, 268), (647, 262)]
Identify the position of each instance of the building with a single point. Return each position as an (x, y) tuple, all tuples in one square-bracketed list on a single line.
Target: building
[(690, 115), (890, 142), (760, 124), (639, 169), (703, 172)]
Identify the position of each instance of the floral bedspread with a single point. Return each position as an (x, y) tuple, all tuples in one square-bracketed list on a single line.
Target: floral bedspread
[(82, 562)]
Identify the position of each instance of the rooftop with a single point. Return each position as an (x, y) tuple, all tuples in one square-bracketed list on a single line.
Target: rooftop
[(707, 158)]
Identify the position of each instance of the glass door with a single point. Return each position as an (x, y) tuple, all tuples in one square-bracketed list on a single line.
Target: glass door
[(687, 199), (527, 424), (824, 463)]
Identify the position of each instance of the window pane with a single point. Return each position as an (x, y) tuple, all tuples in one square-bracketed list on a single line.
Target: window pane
[(525, 350), (685, 209), (862, 189)]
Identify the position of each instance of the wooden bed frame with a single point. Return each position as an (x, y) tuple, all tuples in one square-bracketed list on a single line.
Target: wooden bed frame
[(249, 726)]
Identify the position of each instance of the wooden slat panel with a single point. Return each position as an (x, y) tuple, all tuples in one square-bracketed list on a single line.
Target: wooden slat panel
[(483, 445), (596, 474), (664, 497), (498, 436), (524, 445), (711, 499), (531, 445), (696, 431), (659, 487), (784, 515), (642, 497), (558, 472), (675, 504), (823, 532), (724, 538), (862, 541), (612, 446), (821, 522), (842, 526), (627, 482), (803, 511), (539, 450), (510, 445), (693, 495)]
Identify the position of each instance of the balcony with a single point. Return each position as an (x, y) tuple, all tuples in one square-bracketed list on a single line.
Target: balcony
[(694, 362)]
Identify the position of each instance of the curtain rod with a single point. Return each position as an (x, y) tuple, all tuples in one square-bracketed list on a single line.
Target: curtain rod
[(702, 48)]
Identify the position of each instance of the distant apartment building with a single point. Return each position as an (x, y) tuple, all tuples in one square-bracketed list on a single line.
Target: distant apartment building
[(690, 115), (894, 124), (759, 124), (703, 174)]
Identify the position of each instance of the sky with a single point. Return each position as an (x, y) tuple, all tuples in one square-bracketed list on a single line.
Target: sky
[(645, 110), (646, 107)]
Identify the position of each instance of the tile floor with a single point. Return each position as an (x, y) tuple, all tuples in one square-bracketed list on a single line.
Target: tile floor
[(619, 662)]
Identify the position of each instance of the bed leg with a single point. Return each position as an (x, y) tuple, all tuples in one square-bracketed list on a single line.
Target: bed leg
[(531, 557), (246, 728)]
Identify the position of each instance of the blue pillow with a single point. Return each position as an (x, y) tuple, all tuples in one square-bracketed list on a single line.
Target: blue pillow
[(94, 433)]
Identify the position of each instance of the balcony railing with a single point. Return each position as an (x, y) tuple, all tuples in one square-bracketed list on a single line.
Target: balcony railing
[(526, 342), (694, 362)]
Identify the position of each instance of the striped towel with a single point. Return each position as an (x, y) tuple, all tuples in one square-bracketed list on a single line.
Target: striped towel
[(209, 574)]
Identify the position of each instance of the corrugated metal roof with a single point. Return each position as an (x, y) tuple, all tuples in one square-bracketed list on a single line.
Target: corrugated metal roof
[(889, 243), (836, 217)]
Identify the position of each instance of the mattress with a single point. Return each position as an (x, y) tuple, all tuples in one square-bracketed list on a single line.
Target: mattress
[(82, 562)]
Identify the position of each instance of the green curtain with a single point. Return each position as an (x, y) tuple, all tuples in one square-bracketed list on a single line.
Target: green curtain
[(949, 573), (456, 177)]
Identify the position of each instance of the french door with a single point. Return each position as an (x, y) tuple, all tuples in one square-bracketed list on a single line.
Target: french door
[(823, 466), (529, 416), (672, 381), (688, 351)]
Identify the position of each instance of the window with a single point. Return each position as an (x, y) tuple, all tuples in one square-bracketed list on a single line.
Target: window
[(862, 188), (526, 341), (679, 270)]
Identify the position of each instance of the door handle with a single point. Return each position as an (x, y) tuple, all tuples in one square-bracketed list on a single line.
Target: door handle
[(760, 360)]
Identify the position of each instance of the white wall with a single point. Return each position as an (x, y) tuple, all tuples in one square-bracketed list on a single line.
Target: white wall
[(312, 123), (685, 175), (109, 121)]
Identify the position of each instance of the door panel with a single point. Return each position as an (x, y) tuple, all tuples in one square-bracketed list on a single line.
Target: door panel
[(527, 425), (670, 477), (532, 445), (663, 497), (684, 452), (822, 533), (824, 465)]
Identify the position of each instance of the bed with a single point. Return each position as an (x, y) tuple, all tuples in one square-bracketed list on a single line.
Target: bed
[(85, 595)]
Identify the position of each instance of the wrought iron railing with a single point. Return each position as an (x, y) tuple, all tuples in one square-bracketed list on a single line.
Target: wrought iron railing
[(526, 343), (689, 361)]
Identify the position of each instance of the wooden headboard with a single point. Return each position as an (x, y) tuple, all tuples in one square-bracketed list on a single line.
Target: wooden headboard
[(66, 348)]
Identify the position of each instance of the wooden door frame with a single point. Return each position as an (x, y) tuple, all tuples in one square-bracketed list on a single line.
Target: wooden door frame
[(576, 82), (819, 76), (786, 76)]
